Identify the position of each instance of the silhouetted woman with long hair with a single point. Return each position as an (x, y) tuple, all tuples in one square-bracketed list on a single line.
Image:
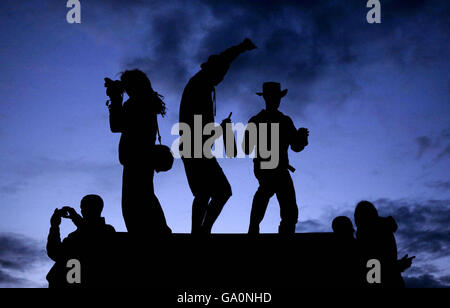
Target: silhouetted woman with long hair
[(375, 235), (136, 120)]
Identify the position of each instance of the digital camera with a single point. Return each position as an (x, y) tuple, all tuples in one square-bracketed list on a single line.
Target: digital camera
[(114, 85)]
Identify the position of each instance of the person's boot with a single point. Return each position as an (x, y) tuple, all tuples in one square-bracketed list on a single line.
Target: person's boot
[(286, 229), (253, 230)]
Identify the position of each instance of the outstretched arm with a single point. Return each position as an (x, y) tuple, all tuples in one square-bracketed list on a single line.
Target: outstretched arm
[(231, 53), (217, 65)]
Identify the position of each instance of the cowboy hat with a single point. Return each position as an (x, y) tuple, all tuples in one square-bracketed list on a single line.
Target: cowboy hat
[(272, 89)]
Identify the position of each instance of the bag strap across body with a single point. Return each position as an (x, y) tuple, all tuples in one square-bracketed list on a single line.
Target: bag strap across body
[(157, 130)]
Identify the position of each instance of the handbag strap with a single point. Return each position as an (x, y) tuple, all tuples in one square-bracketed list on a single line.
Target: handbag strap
[(157, 130)]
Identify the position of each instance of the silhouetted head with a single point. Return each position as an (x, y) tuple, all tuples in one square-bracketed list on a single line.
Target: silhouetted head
[(272, 95), (343, 227), (365, 214), (138, 87), (91, 207), (215, 68)]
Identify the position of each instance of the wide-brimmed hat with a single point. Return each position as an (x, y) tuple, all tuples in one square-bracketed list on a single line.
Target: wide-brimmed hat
[(272, 89)]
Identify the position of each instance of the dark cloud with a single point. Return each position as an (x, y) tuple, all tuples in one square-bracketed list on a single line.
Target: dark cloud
[(423, 226), (19, 252), (6, 279), (12, 187), (20, 174), (437, 145), (310, 225), (18, 256), (427, 281), (302, 44), (424, 144), (440, 185), (423, 232), (444, 153)]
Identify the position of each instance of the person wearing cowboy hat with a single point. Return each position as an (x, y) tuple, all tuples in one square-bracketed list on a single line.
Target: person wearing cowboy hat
[(206, 179), (274, 179)]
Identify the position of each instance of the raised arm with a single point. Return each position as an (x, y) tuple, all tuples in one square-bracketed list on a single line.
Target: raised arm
[(217, 65), (114, 105), (54, 245), (115, 118), (231, 53)]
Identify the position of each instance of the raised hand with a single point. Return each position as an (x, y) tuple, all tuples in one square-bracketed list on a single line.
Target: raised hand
[(113, 88), (69, 211), (55, 220), (405, 263), (248, 44), (303, 132), (226, 120)]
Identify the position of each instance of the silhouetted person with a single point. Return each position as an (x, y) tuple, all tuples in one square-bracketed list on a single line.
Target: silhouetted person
[(276, 180), (136, 120), (343, 228), (206, 179), (348, 257), (84, 242), (376, 238)]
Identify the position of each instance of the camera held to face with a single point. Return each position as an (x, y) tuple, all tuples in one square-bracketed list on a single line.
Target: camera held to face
[(113, 87), (63, 212)]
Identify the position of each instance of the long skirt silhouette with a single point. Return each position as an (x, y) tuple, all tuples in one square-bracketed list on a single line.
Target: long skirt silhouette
[(141, 209)]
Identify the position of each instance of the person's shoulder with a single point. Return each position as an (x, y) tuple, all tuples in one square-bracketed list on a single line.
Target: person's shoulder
[(257, 117), (197, 78), (286, 119), (284, 116), (72, 236), (389, 223), (195, 83)]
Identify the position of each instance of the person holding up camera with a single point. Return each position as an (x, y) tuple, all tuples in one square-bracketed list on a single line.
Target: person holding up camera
[(86, 241), (136, 120)]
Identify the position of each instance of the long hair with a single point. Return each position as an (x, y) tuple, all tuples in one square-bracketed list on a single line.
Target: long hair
[(365, 213), (139, 82)]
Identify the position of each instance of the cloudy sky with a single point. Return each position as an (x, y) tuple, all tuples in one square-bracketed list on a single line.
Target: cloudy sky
[(375, 98)]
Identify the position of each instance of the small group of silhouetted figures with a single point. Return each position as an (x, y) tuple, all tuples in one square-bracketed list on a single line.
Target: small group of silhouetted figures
[(140, 156), (136, 120), (374, 240)]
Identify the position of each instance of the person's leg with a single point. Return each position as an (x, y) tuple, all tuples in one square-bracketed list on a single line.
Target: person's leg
[(130, 199), (214, 209), (199, 207), (259, 206), (159, 220), (195, 173), (288, 203), (159, 223), (220, 193)]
